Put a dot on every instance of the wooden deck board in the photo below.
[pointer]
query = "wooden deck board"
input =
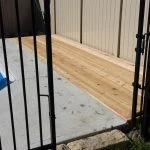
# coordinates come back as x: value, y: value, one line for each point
x: 110, y: 83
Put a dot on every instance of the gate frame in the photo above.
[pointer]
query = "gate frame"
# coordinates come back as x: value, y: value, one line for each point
x: 139, y: 51
x: 146, y: 84
x: 143, y: 47
x: 50, y: 95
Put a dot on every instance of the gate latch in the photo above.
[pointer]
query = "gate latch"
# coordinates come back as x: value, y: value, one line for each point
x: 141, y: 50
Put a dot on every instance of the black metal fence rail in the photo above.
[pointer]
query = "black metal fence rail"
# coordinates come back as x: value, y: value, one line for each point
x: 7, y: 75
x: 146, y: 98
x: 0, y: 144
x: 139, y: 37
x: 143, y: 47
x: 146, y: 51
x: 146, y: 85
x: 37, y: 72
x: 49, y: 72
x: 22, y: 71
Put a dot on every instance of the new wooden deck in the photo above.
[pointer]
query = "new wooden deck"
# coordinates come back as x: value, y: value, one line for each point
x: 106, y: 78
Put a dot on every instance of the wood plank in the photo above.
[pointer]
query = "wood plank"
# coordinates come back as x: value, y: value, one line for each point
x: 109, y: 82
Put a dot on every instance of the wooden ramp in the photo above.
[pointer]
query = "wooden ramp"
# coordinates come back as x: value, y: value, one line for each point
x: 106, y: 78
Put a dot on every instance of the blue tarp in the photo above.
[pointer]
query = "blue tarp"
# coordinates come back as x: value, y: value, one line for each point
x: 3, y: 81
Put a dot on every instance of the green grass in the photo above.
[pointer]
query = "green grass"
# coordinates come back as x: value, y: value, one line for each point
x: 139, y: 145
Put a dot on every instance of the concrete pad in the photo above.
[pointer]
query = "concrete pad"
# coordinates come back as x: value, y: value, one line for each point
x: 77, y: 113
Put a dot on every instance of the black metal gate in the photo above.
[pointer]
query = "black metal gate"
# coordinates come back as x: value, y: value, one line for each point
x: 143, y: 46
x: 49, y: 72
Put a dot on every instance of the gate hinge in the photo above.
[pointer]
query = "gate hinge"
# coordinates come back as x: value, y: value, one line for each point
x: 141, y: 50
x: 142, y: 36
x: 139, y: 85
x: 148, y: 34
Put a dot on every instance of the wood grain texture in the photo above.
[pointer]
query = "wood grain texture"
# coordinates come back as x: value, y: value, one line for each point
x: 109, y: 82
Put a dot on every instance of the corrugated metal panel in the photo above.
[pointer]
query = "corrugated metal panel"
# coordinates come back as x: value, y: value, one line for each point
x: 52, y: 13
x: 129, y: 28
x: 100, y: 24
x: 68, y: 18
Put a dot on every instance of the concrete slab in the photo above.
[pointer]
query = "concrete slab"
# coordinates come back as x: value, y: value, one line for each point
x: 77, y: 113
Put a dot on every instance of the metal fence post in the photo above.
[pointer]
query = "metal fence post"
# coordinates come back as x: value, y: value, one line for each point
x: 0, y: 144
x: 146, y: 85
x: 22, y: 70
x: 146, y: 111
x: 50, y: 71
x: 147, y: 35
x: 139, y: 37
x: 37, y: 71
x: 7, y: 74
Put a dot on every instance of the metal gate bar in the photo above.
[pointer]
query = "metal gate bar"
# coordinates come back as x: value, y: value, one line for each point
x: 143, y: 46
x: 37, y: 72
x: 145, y: 61
x: 7, y: 74
x: 22, y: 72
x: 139, y: 37
x: 0, y: 144
x: 49, y: 72
x: 146, y: 80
